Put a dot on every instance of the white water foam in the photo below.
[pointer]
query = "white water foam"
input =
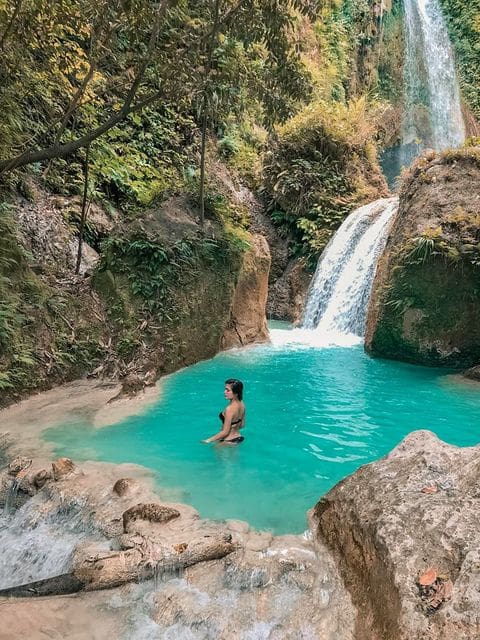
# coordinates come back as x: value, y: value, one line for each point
x: 337, y: 301
x: 433, y: 114
x: 34, y: 547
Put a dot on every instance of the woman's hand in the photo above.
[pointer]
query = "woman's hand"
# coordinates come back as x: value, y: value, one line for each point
x: 207, y: 441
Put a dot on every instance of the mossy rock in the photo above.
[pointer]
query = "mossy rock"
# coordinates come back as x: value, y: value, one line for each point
x: 425, y: 302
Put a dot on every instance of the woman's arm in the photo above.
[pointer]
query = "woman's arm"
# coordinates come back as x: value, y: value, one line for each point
x: 227, y: 425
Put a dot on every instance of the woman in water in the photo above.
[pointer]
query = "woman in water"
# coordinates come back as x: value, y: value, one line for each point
x: 233, y: 417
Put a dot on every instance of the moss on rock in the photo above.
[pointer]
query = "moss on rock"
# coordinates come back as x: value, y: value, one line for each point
x: 425, y: 302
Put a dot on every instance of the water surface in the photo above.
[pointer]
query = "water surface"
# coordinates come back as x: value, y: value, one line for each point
x: 314, y: 415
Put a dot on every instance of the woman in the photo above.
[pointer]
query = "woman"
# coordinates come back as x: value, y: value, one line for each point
x: 233, y: 417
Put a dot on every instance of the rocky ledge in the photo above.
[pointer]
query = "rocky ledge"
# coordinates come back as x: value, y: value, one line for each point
x: 425, y: 301
x: 218, y: 579
x: 404, y: 531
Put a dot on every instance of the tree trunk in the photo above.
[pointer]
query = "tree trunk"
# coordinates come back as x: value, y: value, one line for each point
x: 208, y: 69
x: 84, y: 213
x: 202, y: 167
x: 108, y: 569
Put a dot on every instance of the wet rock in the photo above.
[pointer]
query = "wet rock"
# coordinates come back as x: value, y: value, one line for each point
x: 18, y: 465
x: 123, y: 486
x: 287, y: 295
x: 473, y: 373
x: 41, y: 477
x: 150, y: 511
x: 259, y: 541
x: 406, y: 555
x: 62, y: 467
x: 238, y: 526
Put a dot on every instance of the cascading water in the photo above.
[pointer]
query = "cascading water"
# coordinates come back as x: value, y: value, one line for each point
x: 433, y: 115
x: 338, y: 297
x: 39, y: 546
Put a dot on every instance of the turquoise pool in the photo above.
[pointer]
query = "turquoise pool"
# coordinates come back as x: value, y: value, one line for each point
x: 314, y: 415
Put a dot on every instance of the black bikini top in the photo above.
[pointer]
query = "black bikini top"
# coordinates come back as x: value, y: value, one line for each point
x: 222, y: 418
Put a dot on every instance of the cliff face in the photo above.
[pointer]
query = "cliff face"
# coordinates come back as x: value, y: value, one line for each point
x: 425, y: 304
x: 247, y: 321
x: 154, y: 293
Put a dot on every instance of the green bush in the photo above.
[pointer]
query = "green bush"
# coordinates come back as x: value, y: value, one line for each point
x: 322, y: 165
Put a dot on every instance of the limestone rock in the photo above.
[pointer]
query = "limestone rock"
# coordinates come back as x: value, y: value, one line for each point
x: 150, y: 511
x: 89, y: 258
x: 287, y: 295
x: 18, y: 465
x: 473, y: 373
x: 425, y: 301
x: 41, y: 478
x: 62, y: 467
x: 123, y: 486
x: 390, y: 536
x: 247, y: 322
x: 238, y: 526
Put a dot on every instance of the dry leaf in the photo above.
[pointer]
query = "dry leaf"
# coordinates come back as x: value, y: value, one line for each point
x: 431, y: 489
x: 428, y: 577
x: 180, y: 548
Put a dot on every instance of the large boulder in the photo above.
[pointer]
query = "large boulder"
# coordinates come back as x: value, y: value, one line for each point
x: 405, y: 534
x: 247, y: 322
x: 288, y: 293
x: 425, y: 304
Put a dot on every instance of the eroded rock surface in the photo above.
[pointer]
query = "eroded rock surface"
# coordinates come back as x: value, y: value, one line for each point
x: 247, y: 322
x: 425, y: 304
x: 408, y: 520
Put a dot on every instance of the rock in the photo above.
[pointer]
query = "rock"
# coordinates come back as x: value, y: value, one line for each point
x: 238, y: 526
x: 123, y: 486
x: 132, y: 384
x: 473, y: 373
x: 409, y: 558
x: 150, y: 511
x: 89, y: 259
x: 41, y: 478
x: 287, y: 295
x: 62, y: 467
x: 247, y: 321
x: 18, y: 465
x: 425, y: 305
x: 150, y: 377
x: 258, y: 541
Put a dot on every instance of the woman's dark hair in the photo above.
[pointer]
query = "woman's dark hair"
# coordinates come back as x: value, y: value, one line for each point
x: 236, y: 386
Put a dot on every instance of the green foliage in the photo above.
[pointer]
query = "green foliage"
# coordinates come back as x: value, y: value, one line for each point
x: 319, y: 170
x: 154, y: 270
x: 463, y: 20
x: 71, y: 65
x: 391, y: 55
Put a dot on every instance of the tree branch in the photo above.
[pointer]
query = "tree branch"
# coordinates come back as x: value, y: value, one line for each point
x: 60, y: 151
x: 18, y: 6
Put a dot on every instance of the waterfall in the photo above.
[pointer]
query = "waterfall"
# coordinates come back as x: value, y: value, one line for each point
x: 433, y: 116
x: 338, y: 297
x: 38, y: 545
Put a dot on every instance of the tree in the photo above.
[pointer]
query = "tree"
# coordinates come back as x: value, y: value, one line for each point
x: 82, y: 67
